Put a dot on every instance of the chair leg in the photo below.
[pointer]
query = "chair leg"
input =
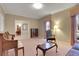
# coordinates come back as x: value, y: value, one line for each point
x: 56, y: 48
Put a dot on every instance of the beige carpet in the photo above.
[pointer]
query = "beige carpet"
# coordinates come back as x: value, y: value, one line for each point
x: 30, y: 48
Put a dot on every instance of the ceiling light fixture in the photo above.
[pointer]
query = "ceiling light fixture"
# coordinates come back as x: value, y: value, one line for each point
x: 37, y: 5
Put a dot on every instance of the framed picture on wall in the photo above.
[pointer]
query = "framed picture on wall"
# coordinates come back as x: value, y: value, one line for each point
x: 25, y: 27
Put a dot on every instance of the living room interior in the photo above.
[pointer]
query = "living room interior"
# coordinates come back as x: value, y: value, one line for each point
x: 24, y: 28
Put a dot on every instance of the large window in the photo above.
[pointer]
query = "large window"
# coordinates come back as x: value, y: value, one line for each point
x: 47, y: 25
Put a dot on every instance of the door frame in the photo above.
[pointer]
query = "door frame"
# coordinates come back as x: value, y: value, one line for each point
x: 73, y: 28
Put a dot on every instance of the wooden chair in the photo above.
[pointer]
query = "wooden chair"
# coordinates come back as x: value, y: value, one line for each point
x: 52, y: 39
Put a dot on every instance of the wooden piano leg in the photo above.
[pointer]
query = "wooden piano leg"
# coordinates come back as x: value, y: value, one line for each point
x: 2, y: 53
x: 23, y: 50
x: 16, y: 52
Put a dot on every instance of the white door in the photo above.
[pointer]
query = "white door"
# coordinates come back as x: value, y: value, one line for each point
x: 24, y: 30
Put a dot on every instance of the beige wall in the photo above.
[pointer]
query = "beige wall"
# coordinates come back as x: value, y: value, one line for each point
x: 1, y: 19
x: 1, y: 26
x: 64, y: 31
x: 64, y: 19
x: 10, y: 23
x: 64, y: 25
x: 42, y: 25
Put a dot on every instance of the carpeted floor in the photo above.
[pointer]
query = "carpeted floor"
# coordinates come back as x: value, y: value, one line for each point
x: 30, y: 48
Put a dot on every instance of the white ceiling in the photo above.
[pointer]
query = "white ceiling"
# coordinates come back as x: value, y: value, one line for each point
x: 26, y: 9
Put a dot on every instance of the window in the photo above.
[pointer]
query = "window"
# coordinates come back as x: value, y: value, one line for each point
x: 47, y: 25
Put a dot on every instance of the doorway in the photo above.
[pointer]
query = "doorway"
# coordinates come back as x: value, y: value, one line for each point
x: 21, y: 28
x: 74, y: 29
